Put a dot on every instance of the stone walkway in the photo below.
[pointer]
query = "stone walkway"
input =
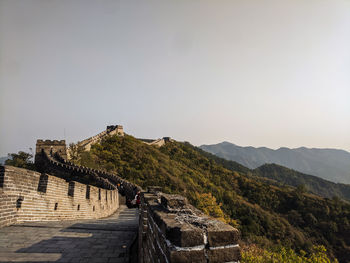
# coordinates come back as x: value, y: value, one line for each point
x: 102, y: 240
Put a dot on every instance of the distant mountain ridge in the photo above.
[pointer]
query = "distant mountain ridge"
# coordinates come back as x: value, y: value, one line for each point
x: 283, y: 176
x: 329, y: 164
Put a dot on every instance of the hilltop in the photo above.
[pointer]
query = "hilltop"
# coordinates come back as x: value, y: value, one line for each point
x: 328, y: 164
x: 266, y: 214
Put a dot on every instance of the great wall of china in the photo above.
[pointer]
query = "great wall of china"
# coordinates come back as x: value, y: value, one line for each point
x: 169, y: 229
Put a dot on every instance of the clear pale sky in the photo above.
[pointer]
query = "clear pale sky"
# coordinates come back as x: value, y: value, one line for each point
x: 260, y: 73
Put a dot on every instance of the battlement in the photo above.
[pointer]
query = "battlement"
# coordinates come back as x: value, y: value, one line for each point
x: 50, y: 147
x: 115, y: 129
x: 27, y: 195
x: 172, y: 230
x: 156, y: 142
x: 51, y: 142
x: 110, y: 130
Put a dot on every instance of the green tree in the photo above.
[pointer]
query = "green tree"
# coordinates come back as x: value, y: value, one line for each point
x: 253, y: 254
x: 75, y: 152
x: 21, y: 159
x: 207, y: 203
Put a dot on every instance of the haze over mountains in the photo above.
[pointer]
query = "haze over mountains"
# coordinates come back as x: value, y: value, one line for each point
x: 329, y: 164
x: 3, y: 159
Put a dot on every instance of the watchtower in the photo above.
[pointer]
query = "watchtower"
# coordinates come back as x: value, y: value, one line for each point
x: 51, y: 147
x: 115, y: 129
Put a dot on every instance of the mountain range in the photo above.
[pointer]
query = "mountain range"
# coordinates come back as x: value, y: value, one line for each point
x: 329, y: 164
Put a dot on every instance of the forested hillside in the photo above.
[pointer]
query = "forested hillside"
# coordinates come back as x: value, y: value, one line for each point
x: 311, y: 183
x: 280, y: 175
x: 271, y: 217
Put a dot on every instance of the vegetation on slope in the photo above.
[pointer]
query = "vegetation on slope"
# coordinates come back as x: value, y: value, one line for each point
x: 21, y: 159
x: 283, y: 176
x: 312, y: 183
x: 254, y: 254
x: 269, y: 216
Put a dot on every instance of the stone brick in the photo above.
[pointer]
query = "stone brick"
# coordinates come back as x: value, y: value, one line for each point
x: 177, y: 229
x: 224, y: 255
x: 38, y: 205
x: 173, y: 201
x: 194, y: 256
x: 183, y: 235
x: 221, y: 234
x: 148, y: 197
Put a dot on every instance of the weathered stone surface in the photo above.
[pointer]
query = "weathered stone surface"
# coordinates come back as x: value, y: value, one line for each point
x: 51, y: 147
x: 173, y: 201
x: 154, y: 189
x: 194, y: 256
x: 185, y: 236
x: 222, y: 234
x: 148, y: 197
x: 178, y: 230
x: 179, y: 234
x: 224, y: 255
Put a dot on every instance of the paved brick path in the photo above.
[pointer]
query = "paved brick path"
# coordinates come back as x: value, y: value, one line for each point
x: 103, y: 240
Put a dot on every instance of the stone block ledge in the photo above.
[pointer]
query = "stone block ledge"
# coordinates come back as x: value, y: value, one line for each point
x: 172, y: 230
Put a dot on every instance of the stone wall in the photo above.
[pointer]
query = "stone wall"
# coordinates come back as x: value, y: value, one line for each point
x: 171, y: 230
x: 156, y: 142
x: 31, y: 196
x: 110, y: 130
x: 57, y: 166
x: 52, y: 147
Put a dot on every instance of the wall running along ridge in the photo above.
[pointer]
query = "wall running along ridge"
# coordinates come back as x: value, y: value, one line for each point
x: 110, y: 130
x: 30, y: 196
x: 57, y: 166
x: 170, y: 229
x: 156, y: 142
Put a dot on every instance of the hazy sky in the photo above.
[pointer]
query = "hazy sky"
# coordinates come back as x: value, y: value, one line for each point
x: 260, y: 73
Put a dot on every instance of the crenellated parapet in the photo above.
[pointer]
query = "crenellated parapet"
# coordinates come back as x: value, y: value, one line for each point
x: 27, y: 195
x: 52, y: 162
x: 156, y: 142
x: 110, y: 130
x: 59, y: 167
x: 172, y: 230
x: 115, y: 129
x: 52, y: 147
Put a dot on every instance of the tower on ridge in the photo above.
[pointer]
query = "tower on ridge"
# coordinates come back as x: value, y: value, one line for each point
x: 115, y: 129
